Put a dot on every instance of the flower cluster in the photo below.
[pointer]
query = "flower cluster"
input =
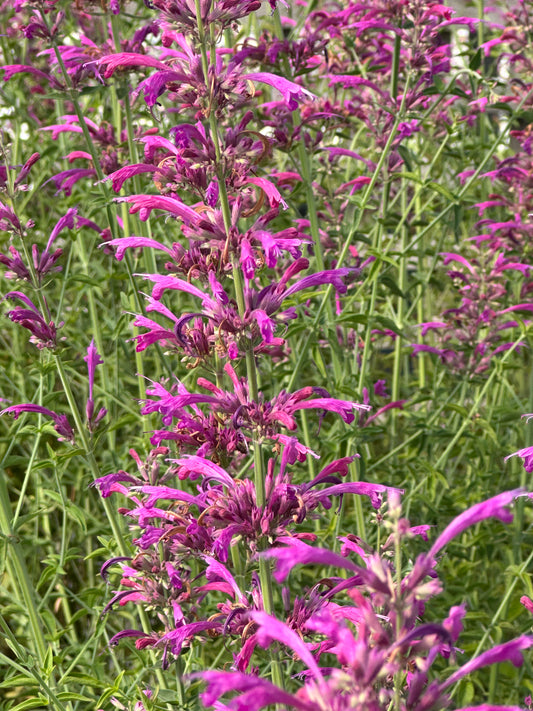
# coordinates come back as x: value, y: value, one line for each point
x: 184, y: 544
x: 473, y: 333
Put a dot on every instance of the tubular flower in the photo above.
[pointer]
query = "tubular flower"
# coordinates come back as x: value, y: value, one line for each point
x: 43, y: 333
x: 61, y: 423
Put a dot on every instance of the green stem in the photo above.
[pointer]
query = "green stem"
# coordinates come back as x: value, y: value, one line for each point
x: 400, y: 315
x: 19, y: 575
x: 109, y: 510
x: 89, y: 455
x: 356, y: 468
x: 38, y: 678
x: 398, y: 677
x: 395, y: 70
x: 31, y: 461
x: 376, y: 247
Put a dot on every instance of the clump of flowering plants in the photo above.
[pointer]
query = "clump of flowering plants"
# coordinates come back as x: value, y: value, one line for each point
x: 382, y: 653
x: 218, y: 254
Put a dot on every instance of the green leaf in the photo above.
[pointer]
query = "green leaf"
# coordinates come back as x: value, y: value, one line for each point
x: 475, y: 62
x: 98, y: 553
x: 354, y: 319
x: 78, y: 515
x: 18, y: 680
x: 72, y: 696
x: 85, y: 679
x: 502, y: 107
x: 407, y: 156
x: 47, y: 574
x: 391, y: 284
x: 48, y: 663
x: 442, y: 190
x: 122, y: 421
x: 68, y: 454
x: 105, y: 697
x: 319, y: 362
x: 463, y: 411
x: 167, y: 695
x: 468, y: 693
x: 111, y: 691
x: 387, y: 323
x: 84, y: 279
x: 36, y: 702
x: 125, y: 300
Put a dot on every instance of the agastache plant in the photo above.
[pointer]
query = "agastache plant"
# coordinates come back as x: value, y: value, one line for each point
x: 236, y: 318
x: 252, y: 172
x: 369, y: 623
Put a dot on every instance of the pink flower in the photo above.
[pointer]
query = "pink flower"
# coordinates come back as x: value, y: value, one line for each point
x: 291, y: 92
x: 144, y: 204
x: 112, y: 62
x: 92, y: 359
x: 526, y: 455
x: 61, y: 423
x: 44, y: 333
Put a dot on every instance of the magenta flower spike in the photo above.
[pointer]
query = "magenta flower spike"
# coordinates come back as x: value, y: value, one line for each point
x: 45, y: 262
x: 260, y: 317
x: 248, y: 415
x: 92, y: 359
